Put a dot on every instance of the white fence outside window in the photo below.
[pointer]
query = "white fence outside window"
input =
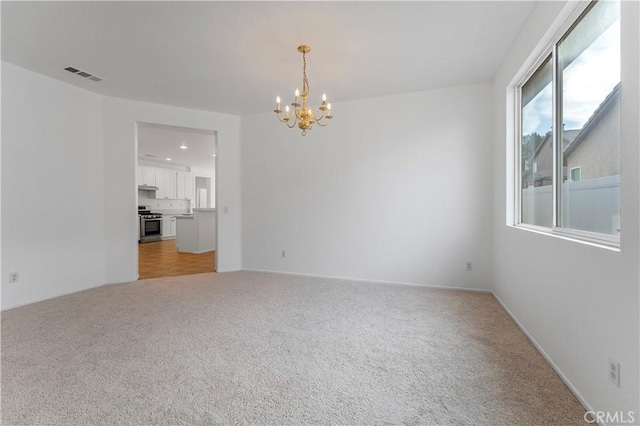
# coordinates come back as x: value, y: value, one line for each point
x: 589, y: 205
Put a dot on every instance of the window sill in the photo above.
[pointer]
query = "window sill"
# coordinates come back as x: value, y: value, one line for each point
x: 581, y: 239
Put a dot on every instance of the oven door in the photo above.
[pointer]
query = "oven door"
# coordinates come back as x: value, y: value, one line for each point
x: 150, y: 229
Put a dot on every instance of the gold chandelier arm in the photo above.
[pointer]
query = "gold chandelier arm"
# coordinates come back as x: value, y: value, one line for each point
x: 322, y: 125
x: 326, y: 118
x: 287, y: 120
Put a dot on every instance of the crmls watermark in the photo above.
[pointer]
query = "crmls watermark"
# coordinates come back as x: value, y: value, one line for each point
x: 608, y: 417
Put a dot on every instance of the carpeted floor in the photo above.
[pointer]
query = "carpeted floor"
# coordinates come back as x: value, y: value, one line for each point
x: 263, y: 348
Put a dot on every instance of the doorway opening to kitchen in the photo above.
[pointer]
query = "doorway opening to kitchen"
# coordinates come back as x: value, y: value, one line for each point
x: 176, y: 198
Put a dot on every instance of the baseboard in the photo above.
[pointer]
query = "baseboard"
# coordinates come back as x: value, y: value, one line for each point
x: 64, y: 293
x: 55, y: 296
x: 398, y: 283
x: 547, y: 358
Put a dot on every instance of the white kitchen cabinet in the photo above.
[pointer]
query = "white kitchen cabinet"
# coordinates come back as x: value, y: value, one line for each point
x: 172, y: 227
x: 170, y: 184
x: 184, y: 186
x: 160, y: 183
x: 166, y: 183
x: 146, y: 176
x: 168, y: 227
x: 188, y: 187
x: 180, y: 185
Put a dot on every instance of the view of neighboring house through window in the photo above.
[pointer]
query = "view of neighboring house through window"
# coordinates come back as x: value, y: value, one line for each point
x: 584, y: 175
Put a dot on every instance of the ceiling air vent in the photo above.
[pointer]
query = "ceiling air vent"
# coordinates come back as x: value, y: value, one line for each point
x: 83, y: 74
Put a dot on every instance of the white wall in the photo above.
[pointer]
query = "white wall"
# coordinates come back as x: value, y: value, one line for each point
x: 578, y: 302
x: 394, y: 189
x: 69, y: 185
x: 52, y: 187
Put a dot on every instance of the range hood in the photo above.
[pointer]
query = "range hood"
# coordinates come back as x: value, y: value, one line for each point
x: 147, y: 188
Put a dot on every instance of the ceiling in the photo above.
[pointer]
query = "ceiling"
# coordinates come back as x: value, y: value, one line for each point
x: 158, y: 143
x: 235, y: 57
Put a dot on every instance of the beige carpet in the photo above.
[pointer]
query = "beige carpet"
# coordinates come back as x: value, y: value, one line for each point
x: 260, y: 348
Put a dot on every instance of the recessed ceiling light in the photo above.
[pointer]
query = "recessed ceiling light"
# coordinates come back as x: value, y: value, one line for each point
x: 168, y: 159
x: 213, y: 155
x: 183, y: 146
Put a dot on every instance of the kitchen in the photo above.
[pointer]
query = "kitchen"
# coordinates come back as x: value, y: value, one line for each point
x: 176, y: 201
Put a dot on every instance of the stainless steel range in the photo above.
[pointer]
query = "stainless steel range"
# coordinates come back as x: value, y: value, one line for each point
x: 150, y: 225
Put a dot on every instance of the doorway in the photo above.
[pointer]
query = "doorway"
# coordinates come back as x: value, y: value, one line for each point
x: 176, y: 181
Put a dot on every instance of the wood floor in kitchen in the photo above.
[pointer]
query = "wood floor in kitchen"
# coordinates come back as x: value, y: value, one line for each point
x: 162, y: 259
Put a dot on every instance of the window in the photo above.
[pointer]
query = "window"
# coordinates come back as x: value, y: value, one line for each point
x: 569, y: 131
x: 576, y: 174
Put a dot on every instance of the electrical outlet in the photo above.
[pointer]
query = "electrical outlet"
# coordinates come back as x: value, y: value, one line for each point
x: 614, y: 371
x: 283, y: 253
x: 14, y: 277
x: 469, y: 266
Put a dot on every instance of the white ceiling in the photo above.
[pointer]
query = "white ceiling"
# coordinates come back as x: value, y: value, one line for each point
x: 157, y: 143
x: 234, y: 57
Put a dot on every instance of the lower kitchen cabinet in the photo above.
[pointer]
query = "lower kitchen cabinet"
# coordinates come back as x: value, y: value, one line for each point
x: 168, y: 227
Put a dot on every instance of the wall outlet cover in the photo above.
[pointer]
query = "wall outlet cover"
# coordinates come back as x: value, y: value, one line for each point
x: 614, y: 371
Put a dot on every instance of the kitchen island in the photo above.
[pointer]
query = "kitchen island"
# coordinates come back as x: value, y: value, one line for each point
x: 196, y: 233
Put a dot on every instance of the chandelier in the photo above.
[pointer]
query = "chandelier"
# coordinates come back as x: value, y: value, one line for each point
x: 305, y: 118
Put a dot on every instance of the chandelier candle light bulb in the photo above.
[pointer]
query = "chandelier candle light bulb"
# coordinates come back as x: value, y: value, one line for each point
x: 303, y: 117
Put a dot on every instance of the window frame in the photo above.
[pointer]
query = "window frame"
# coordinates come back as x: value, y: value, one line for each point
x: 550, y: 50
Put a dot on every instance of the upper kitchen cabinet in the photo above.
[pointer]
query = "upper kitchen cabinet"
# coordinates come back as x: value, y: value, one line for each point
x: 171, y: 184
x: 166, y: 183
x: 188, y: 187
x: 146, y: 176
x: 184, y: 189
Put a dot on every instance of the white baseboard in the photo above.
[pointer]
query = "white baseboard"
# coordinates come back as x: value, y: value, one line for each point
x: 399, y: 283
x: 547, y: 358
x: 56, y: 295
x: 42, y: 299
